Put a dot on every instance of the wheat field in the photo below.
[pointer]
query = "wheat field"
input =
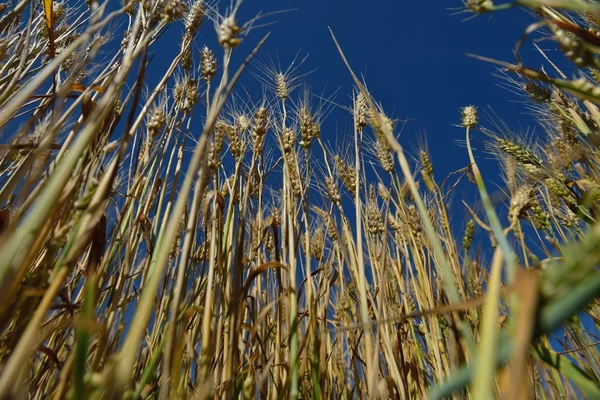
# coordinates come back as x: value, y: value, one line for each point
x: 179, y: 238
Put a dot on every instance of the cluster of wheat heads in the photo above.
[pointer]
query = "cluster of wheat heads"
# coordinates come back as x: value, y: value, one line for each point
x: 261, y: 262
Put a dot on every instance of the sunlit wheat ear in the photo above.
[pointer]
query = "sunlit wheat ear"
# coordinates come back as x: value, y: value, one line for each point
x: 208, y: 64
x: 294, y: 173
x: 186, y: 93
x: 227, y: 29
x: 316, y: 242
x: 360, y: 112
x: 383, y: 192
x: 156, y: 118
x: 346, y: 173
x: 539, y: 217
x: 194, y: 16
x: 260, y: 125
x: 310, y: 116
x: 238, y: 130
x: 229, y: 33
x: 379, y: 121
x: 333, y: 193
x: 478, y: 6
x: 380, y: 145
x: 282, y: 87
x: 384, y: 154
x: 468, y: 235
x: 215, y: 146
x: 310, y: 128
x: 288, y: 137
x: 173, y: 10
x: 282, y: 82
x: 473, y: 8
x: 526, y: 159
x: 236, y: 145
x: 520, y: 202
x: 568, y: 218
x: 422, y: 160
x: 521, y: 147
x: 560, y: 190
x: 328, y: 222
x: 470, y: 117
x: 373, y: 216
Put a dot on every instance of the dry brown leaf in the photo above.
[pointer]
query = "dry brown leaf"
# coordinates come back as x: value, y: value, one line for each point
x: 48, y: 12
x: 527, y: 285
